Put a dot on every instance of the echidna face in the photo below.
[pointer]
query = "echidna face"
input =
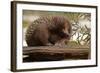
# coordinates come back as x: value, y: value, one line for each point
x: 62, y: 27
x: 67, y: 31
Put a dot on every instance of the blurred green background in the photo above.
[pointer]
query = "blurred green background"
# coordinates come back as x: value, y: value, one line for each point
x: 81, y: 25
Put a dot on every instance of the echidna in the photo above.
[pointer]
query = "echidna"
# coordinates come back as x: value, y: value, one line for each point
x: 48, y: 29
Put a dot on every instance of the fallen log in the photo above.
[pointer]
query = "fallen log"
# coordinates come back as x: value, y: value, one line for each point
x: 54, y: 53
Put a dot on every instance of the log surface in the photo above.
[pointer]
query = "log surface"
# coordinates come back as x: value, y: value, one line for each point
x: 54, y: 53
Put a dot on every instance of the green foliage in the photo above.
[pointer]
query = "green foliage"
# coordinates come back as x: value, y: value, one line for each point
x: 80, y: 30
x: 72, y: 43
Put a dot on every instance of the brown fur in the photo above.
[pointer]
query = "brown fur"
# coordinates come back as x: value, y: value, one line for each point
x: 52, y: 29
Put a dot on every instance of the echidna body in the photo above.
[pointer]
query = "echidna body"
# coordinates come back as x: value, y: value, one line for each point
x: 49, y: 29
